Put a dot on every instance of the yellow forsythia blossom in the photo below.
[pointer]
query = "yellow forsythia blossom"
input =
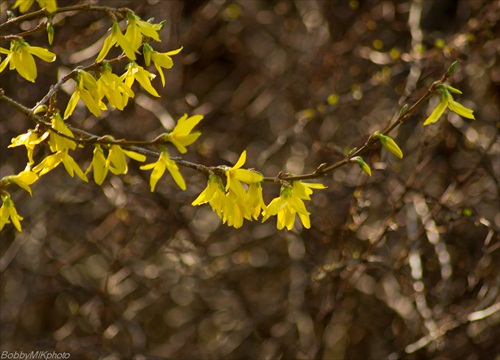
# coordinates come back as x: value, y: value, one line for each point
x: 137, y: 28
x: 58, y: 142
x: 20, y: 58
x: 52, y: 161
x: 24, y: 5
x: 9, y: 213
x: 235, y: 175
x: 233, y: 203
x: 289, y: 203
x: 110, y: 85
x: 99, y: 164
x: 213, y: 194
x: 118, y: 39
x: 181, y: 135
x: 29, y: 139
x: 255, y: 200
x: 24, y: 179
x: 448, y: 102
x: 239, y: 201
x: 144, y: 77
x: 116, y: 161
x: 160, y: 60
x: 87, y: 90
x: 164, y: 163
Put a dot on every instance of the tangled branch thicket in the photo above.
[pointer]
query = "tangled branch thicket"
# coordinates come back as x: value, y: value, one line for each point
x: 402, y: 264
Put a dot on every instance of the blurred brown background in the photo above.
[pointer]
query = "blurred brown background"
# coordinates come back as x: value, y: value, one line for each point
x: 401, y: 265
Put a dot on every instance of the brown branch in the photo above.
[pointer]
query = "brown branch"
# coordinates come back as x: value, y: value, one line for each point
x: 402, y: 118
x: 138, y: 145
x: 111, y: 12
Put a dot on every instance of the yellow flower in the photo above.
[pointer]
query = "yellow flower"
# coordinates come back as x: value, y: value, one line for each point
x: 52, y: 161
x: 117, y: 38
x: 20, y: 57
x: 56, y: 141
x: 448, y: 102
x: 24, y: 5
x: 24, y: 179
x: 160, y: 60
x: 181, y: 135
x: 116, y: 161
x: 235, y: 175
x: 9, y: 213
x: 239, y: 204
x: 49, y: 5
x: 164, y: 162
x: 289, y: 203
x: 110, y: 85
x: 255, y: 200
x: 30, y: 140
x: 213, y: 194
x: 101, y: 167
x: 87, y: 90
x: 236, y: 209
x: 136, y: 28
x: 144, y: 77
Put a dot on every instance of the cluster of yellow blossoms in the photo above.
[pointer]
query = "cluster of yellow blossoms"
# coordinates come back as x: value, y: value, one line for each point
x: 234, y: 193
x: 235, y: 202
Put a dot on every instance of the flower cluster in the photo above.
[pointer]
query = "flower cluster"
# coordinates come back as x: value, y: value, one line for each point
x: 291, y: 202
x: 241, y: 198
x: 233, y: 202
x: 234, y: 193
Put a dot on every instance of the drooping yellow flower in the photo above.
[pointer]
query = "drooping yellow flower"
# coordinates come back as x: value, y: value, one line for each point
x: 87, y: 90
x: 164, y: 163
x: 137, y: 28
x: 236, y: 210
x: 289, y: 203
x: 181, y: 135
x: 24, y: 5
x: 99, y: 164
x: 160, y: 60
x: 213, y: 194
x: 20, y: 58
x: 235, y: 175
x: 118, y: 39
x: 9, y: 213
x: 448, y: 102
x: 117, y: 162
x: 255, y: 200
x: 58, y: 142
x: 29, y: 139
x: 52, y: 161
x: 110, y: 85
x: 144, y: 77
x: 24, y: 179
